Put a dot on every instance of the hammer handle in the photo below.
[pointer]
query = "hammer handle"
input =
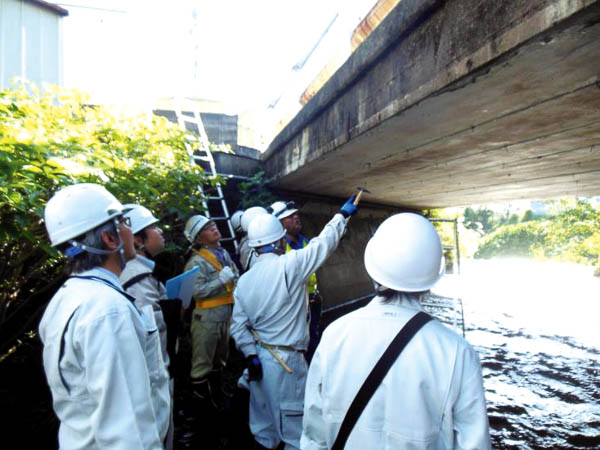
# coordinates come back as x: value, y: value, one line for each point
x: 358, y: 196
x: 271, y: 351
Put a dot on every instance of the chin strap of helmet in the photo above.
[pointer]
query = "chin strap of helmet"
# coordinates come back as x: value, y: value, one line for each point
x: 275, y: 247
x: 77, y: 247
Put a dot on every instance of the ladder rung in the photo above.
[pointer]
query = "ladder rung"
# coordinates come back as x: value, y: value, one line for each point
x: 216, y: 198
x: 227, y: 239
x: 219, y: 218
x: 201, y: 158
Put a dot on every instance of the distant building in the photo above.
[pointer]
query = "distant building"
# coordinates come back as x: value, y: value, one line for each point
x: 30, y: 41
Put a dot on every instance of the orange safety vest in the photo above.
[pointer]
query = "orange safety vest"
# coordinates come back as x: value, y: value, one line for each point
x: 213, y: 302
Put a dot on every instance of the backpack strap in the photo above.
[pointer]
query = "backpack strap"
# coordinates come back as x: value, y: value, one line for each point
x: 376, y: 376
x: 136, y: 279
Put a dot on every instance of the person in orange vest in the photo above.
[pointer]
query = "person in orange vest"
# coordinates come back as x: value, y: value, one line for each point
x: 287, y: 213
x: 213, y: 296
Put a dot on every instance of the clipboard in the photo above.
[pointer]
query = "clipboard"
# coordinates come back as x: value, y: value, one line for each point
x: 182, y: 286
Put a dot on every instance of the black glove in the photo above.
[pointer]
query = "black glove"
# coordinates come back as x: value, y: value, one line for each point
x: 254, y: 368
x: 349, y: 207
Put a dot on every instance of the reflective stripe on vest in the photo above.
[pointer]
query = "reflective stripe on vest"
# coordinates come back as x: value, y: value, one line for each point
x: 311, y: 284
x: 213, y: 302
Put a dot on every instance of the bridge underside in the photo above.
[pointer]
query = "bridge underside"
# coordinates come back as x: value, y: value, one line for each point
x: 456, y: 102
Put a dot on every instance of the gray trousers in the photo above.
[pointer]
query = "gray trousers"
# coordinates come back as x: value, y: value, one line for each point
x: 277, y: 401
x: 210, y: 340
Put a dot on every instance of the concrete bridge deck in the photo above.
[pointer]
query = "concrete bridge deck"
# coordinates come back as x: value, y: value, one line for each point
x: 454, y: 102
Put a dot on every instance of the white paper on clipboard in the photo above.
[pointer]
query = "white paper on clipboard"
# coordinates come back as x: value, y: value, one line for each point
x: 182, y: 286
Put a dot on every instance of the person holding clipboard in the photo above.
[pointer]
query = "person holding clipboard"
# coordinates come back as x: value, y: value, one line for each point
x: 213, y: 300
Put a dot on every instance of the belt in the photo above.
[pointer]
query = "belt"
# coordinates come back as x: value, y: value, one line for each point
x: 285, y: 348
x: 213, y: 302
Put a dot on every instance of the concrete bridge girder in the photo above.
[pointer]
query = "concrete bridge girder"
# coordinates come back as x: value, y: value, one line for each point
x: 456, y: 102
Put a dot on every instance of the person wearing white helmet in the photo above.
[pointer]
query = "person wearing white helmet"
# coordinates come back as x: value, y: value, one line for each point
x: 270, y: 302
x: 236, y: 221
x: 287, y: 213
x: 150, y: 294
x: 432, y: 394
x: 236, y: 224
x: 247, y: 254
x: 213, y: 295
x: 102, y: 357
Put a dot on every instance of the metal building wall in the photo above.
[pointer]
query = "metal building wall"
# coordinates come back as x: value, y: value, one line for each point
x: 30, y: 43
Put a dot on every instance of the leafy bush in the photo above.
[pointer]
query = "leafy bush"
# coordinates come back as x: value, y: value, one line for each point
x: 480, y: 220
x: 255, y: 192
x: 513, y: 240
x: 572, y: 235
x: 53, y: 138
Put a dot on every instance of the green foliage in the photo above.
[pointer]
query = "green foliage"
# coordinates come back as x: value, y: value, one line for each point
x: 513, y: 240
x: 480, y: 220
x: 484, y: 221
x: 446, y: 231
x: 509, y: 219
x: 255, y: 192
x: 54, y: 138
x: 572, y: 235
x: 528, y: 216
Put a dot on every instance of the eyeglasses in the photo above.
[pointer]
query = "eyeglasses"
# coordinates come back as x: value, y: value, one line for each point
x: 124, y: 220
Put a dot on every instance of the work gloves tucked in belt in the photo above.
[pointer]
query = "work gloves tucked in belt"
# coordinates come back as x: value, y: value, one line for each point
x: 254, y: 368
x: 226, y: 275
x: 349, y: 207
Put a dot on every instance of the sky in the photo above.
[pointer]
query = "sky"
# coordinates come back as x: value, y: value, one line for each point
x: 133, y: 51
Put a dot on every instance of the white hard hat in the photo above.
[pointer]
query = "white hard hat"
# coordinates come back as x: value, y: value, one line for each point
x: 250, y: 214
x: 264, y: 229
x: 281, y: 210
x: 236, y: 220
x: 405, y: 254
x: 193, y: 226
x: 79, y: 208
x: 140, y: 216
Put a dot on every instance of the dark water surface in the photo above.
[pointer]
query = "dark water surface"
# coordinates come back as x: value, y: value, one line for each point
x: 535, y: 326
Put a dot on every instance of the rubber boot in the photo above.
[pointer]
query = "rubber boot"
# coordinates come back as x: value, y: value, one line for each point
x: 215, y: 383
x: 201, y: 392
x: 203, y: 432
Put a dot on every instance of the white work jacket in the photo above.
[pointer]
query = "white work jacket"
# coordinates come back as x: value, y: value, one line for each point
x: 248, y: 255
x: 271, y: 297
x: 104, y: 366
x: 432, y: 397
x: 147, y: 292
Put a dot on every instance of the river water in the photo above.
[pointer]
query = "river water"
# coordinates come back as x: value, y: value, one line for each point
x: 535, y: 326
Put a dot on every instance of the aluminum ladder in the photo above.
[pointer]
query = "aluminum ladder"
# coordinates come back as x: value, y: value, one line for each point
x: 203, y: 156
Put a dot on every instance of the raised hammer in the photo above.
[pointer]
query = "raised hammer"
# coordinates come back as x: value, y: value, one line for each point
x: 360, y: 189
